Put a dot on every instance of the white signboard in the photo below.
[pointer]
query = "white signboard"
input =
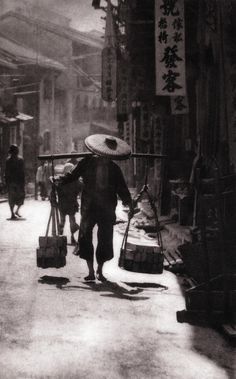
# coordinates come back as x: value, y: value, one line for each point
x: 170, y: 48
x: 179, y: 105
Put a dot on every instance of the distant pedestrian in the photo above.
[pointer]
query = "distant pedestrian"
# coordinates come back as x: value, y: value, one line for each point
x: 15, y: 180
x: 68, y: 203
x: 42, y: 176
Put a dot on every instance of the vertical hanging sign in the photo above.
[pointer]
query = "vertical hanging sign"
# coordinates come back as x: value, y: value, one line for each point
x: 170, y: 48
x: 109, y: 59
x: 123, y: 75
x: 179, y: 105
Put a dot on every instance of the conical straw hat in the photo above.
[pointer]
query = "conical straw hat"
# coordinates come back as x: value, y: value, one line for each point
x: 108, y: 146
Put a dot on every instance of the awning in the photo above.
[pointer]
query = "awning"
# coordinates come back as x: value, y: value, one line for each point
x: 27, y: 55
x: 24, y: 117
x: 5, y: 63
x: 8, y: 120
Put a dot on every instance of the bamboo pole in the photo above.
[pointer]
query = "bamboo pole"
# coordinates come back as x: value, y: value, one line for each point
x: 51, y: 157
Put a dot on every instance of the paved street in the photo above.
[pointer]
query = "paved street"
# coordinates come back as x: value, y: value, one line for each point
x: 54, y: 325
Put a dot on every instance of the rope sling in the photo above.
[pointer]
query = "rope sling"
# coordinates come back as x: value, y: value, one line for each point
x: 52, y: 249
x: 141, y: 257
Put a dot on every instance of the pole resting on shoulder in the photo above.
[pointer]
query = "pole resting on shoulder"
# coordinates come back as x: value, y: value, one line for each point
x: 51, y: 157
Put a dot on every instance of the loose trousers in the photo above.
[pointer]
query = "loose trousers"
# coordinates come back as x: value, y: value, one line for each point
x: 104, y: 250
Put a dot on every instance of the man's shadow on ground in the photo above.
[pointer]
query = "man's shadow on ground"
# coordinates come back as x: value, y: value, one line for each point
x: 120, y: 290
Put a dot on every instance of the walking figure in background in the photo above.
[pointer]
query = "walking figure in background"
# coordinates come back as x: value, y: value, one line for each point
x: 42, y: 176
x: 68, y: 203
x: 103, y: 181
x: 15, y: 180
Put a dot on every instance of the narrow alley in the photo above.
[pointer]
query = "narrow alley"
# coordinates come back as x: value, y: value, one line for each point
x: 55, y: 325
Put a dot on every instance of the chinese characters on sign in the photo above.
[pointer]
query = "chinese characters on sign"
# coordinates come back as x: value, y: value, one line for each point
x: 170, y: 47
x: 109, y: 74
x: 179, y: 105
x: 123, y: 88
x: 109, y: 59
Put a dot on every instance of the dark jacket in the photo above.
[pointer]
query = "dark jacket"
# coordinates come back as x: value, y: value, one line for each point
x: 100, y: 188
x: 14, y: 170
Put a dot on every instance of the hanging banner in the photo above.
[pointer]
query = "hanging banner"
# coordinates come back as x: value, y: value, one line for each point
x: 231, y: 108
x: 109, y: 59
x: 123, y: 103
x: 170, y: 48
x: 157, y: 134
x: 109, y: 74
x: 145, y: 130
x: 179, y: 105
x: 128, y: 135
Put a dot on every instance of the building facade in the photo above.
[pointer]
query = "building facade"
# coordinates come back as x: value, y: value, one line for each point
x: 57, y: 81
x: 176, y: 85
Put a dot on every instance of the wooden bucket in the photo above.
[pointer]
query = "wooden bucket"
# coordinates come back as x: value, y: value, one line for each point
x: 141, y: 256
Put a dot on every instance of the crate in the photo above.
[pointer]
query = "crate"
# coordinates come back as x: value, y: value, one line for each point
x: 52, y: 251
x: 141, y: 258
x: 213, y: 302
x: 217, y: 297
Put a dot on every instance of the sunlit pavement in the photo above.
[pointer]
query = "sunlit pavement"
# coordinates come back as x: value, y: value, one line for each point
x: 54, y: 325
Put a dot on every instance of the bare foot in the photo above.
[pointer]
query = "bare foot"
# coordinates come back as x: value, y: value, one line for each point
x: 76, y: 250
x: 73, y: 241
x: 90, y: 277
x: 100, y: 277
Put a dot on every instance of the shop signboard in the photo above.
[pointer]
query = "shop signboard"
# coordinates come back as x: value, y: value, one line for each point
x: 179, y: 105
x: 231, y: 90
x: 145, y: 130
x: 157, y: 134
x: 123, y: 103
x: 128, y: 134
x: 109, y: 59
x: 170, y: 48
x: 109, y: 68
